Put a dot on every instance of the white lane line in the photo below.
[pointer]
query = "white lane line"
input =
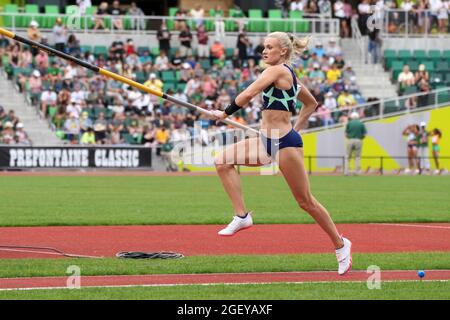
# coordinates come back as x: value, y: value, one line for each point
x: 410, y: 225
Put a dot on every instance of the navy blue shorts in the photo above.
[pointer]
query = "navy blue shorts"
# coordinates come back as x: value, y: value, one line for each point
x: 291, y: 139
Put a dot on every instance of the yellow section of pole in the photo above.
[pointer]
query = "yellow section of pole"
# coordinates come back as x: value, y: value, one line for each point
x: 7, y: 33
x: 130, y: 82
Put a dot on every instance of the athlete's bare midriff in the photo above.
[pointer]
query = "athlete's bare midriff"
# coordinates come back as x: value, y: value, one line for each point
x: 276, y: 123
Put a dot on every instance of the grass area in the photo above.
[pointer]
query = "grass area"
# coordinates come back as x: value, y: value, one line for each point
x: 389, y: 290
x: 33, y: 201
x: 10, y: 268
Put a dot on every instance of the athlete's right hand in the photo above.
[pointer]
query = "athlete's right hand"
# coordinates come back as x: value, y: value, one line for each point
x: 218, y: 115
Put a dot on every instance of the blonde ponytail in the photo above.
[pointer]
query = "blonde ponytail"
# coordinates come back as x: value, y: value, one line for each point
x: 295, y: 45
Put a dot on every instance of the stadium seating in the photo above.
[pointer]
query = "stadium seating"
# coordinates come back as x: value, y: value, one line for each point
x: 49, y: 21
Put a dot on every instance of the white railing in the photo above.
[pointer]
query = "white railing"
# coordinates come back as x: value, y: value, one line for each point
x: 359, y: 40
x: 149, y: 24
x: 414, y: 23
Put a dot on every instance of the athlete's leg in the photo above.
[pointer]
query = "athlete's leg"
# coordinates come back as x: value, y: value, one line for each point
x: 249, y: 152
x: 292, y: 166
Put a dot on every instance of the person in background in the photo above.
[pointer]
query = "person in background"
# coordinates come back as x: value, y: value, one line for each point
x: 136, y: 13
x: 34, y: 34
x: 83, y: 5
x: 99, y: 20
x: 355, y: 132
x: 203, y: 47
x: 422, y: 148
x: 88, y: 137
x: 411, y: 133
x: 115, y: 11
x: 59, y: 35
x: 436, y: 136
x: 163, y: 35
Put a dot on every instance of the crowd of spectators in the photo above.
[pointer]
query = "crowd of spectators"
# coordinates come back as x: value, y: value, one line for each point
x: 88, y: 108
x: 11, y: 129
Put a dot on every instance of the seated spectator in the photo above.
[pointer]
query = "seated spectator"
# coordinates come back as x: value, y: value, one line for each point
x: 319, y: 50
x: 330, y: 101
x: 217, y: 50
x: 198, y: 13
x: 48, y: 102
x: 162, y: 62
x: 34, y: 34
x: 421, y: 74
x: 21, y: 136
x: 72, y: 127
x: 35, y: 84
x: 99, y: 19
x: 154, y: 83
x: 88, y: 137
x: 405, y: 78
x: 100, y: 127
x: 115, y: 127
x: 116, y: 12
x: 317, y: 76
x: 297, y: 5
x: 346, y: 99
x: 83, y: 5
x: 73, y: 46
x: 334, y: 73
x: 180, y: 21
x: 85, y: 122
x: 333, y: 49
x: 137, y: 17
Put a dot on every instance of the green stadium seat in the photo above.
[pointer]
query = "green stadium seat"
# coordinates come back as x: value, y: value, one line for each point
x: 128, y: 138
x: 434, y: 55
x: 9, y: 20
x: 170, y: 86
x: 232, y: 25
x: 410, y: 90
x: 33, y: 11
x: 141, y: 76
x: 229, y: 52
x: 297, y: 26
x: 447, y: 79
x: 389, y: 56
x: 170, y: 22
x: 205, y: 64
x: 101, y: 50
x: 446, y: 55
x: 154, y: 52
x: 172, y: 51
x: 181, y: 86
x: 86, y: 48
x: 443, y: 96
x: 420, y: 55
x: 397, y: 67
x: 442, y: 66
x: 404, y: 55
x: 391, y: 106
x: 140, y: 50
x: 413, y: 65
x: 256, y: 26
x: 168, y: 76
x: 276, y: 21
x: 50, y: 21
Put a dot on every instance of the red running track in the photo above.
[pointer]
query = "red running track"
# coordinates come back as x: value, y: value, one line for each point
x: 193, y: 240
x: 179, y: 279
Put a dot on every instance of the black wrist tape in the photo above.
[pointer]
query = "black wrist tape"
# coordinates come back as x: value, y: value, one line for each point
x: 232, y: 108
